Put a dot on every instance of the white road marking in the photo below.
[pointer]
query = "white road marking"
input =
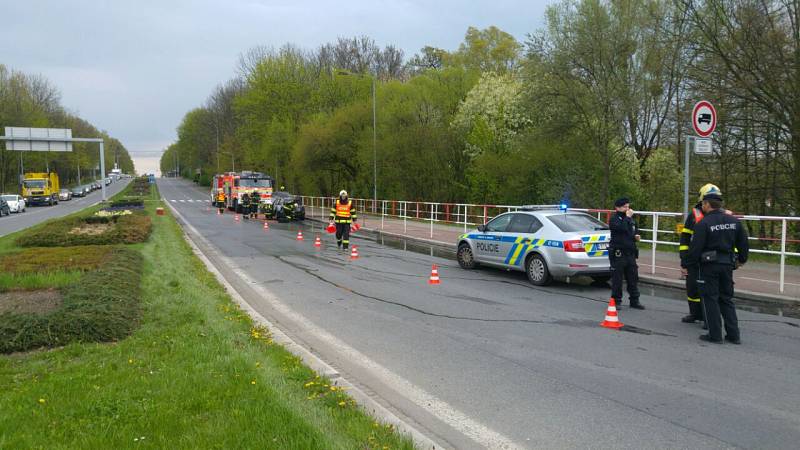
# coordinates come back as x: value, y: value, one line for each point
x: 471, y: 428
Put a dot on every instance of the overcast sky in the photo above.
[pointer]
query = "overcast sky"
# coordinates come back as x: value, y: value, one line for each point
x: 134, y: 68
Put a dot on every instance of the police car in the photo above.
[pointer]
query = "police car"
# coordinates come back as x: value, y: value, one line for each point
x: 545, y: 242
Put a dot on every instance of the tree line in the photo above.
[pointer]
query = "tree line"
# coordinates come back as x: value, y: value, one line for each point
x: 32, y: 101
x: 594, y: 105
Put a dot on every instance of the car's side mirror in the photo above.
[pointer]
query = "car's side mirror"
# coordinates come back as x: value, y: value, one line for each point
x: 482, y: 228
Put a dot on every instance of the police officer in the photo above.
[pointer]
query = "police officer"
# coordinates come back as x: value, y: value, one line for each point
x: 622, y: 253
x: 343, y: 214
x: 691, y: 270
x: 718, y: 246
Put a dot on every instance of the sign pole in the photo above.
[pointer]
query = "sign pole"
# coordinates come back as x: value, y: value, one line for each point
x: 103, y: 170
x: 686, y: 157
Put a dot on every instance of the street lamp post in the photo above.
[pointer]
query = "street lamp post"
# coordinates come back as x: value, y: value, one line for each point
x: 374, y: 140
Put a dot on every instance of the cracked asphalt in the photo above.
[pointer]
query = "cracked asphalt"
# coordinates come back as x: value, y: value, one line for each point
x: 531, y: 364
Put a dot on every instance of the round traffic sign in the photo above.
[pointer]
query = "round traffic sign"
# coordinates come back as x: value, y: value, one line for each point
x: 704, y: 118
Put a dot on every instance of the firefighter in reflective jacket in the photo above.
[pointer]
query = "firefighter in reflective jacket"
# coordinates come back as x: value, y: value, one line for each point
x: 343, y: 214
x: 689, y: 269
x: 719, y: 246
x: 246, y: 205
x: 221, y: 200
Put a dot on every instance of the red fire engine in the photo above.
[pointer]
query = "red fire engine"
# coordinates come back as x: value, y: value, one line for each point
x: 234, y: 185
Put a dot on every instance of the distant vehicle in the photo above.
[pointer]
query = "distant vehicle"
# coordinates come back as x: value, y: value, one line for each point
x: 4, y: 209
x: 704, y: 118
x: 41, y: 188
x: 95, y: 185
x: 65, y: 195
x: 78, y: 191
x: 15, y: 202
x: 544, y: 243
x: 107, y: 181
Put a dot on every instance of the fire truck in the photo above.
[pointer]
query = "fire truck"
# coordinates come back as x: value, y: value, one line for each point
x: 235, y: 184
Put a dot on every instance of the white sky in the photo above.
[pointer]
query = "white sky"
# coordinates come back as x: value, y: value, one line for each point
x: 134, y: 68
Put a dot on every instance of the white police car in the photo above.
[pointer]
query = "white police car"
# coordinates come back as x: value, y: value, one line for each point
x: 544, y: 242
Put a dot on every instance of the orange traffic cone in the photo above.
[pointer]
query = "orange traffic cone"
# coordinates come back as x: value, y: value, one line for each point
x: 300, y: 235
x: 236, y: 218
x: 317, y: 242
x: 266, y: 225
x: 354, y: 253
x: 612, y: 321
x: 434, y: 279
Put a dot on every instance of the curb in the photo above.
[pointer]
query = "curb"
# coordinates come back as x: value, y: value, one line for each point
x: 367, y: 403
x: 750, y: 296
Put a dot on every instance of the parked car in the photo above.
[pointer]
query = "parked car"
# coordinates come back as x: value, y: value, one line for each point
x: 543, y: 242
x: 15, y: 203
x: 64, y: 194
x: 78, y: 191
x: 107, y: 181
x: 4, y: 210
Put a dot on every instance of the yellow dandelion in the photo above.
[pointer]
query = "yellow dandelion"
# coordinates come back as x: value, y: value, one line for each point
x: 253, y: 382
x: 342, y: 403
x: 130, y: 361
x: 42, y: 401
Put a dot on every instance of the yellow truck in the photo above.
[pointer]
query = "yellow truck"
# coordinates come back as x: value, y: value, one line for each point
x: 40, y: 188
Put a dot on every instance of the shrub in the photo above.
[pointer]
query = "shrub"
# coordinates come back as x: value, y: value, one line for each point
x: 103, y: 306
x: 35, y: 260
x: 129, y: 229
x: 127, y: 202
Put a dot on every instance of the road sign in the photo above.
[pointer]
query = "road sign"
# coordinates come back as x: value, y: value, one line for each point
x: 704, y: 118
x: 702, y: 146
x: 24, y: 139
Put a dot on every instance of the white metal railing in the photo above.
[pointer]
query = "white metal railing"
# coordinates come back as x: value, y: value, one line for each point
x: 465, y: 215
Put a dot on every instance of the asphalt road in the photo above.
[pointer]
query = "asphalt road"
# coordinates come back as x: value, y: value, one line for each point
x: 38, y: 214
x: 487, y: 360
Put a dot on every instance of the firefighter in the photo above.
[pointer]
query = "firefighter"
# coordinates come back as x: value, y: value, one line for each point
x: 622, y: 253
x: 343, y: 214
x: 718, y: 246
x: 221, y: 200
x: 691, y: 271
x: 255, y: 199
x: 288, y: 209
x: 246, y: 205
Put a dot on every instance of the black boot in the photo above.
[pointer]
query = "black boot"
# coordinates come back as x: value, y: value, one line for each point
x: 689, y: 319
x: 707, y: 338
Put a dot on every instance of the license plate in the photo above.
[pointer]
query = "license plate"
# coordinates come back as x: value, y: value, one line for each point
x: 601, y: 246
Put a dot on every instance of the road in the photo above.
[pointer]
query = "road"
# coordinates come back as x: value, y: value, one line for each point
x: 486, y: 360
x: 38, y: 214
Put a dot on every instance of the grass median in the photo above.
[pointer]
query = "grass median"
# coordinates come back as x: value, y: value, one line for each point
x: 196, y: 374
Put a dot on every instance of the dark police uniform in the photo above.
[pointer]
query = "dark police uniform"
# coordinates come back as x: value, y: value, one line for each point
x: 713, y: 247
x: 622, y: 253
x: 692, y: 268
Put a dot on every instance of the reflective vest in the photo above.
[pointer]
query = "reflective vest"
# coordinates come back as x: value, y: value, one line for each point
x: 343, y: 212
x: 220, y: 197
x: 698, y: 215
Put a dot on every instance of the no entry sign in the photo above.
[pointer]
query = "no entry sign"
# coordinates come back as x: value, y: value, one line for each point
x: 704, y: 118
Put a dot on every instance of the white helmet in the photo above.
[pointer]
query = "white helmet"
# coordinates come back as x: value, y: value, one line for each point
x: 342, y: 193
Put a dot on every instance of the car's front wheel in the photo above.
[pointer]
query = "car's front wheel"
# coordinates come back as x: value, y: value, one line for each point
x: 465, y: 257
x: 537, y: 270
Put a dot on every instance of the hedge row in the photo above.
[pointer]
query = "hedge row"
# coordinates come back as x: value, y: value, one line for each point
x: 38, y: 260
x: 102, y: 307
x: 129, y: 229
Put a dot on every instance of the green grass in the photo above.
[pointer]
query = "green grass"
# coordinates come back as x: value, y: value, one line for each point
x: 38, y: 280
x: 196, y: 374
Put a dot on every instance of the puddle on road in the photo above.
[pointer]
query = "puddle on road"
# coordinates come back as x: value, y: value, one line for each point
x: 585, y: 284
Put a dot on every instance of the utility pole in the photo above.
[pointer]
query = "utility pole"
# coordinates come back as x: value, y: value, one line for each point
x: 374, y: 149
